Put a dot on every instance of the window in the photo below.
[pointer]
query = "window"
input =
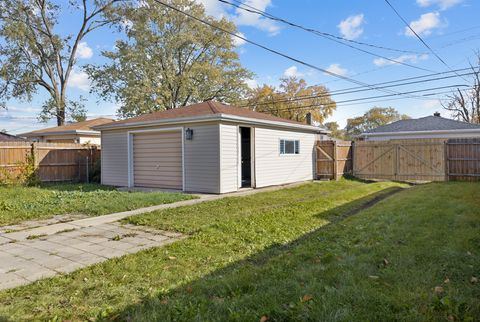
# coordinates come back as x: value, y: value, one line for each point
x: 289, y: 146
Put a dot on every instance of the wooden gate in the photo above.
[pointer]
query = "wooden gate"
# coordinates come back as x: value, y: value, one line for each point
x: 402, y: 160
x: 334, y: 159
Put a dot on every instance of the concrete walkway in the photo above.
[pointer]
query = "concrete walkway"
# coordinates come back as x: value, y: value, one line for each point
x: 31, y: 254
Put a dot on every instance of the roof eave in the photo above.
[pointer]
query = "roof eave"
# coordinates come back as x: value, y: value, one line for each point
x: 70, y: 132
x: 212, y: 117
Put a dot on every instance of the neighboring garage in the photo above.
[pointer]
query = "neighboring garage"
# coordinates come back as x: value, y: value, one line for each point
x: 207, y: 147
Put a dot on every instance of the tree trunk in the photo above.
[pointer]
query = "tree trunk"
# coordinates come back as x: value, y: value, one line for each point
x: 60, y: 112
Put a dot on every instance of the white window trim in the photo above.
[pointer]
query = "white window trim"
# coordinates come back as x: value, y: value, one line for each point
x: 289, y: 154
x: 131, y: 179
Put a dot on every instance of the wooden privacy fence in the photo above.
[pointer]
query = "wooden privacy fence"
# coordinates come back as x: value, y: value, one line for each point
x: 418, y: 159
x: 463, y: 159
x: 53, y: 162
x: 334, y: 159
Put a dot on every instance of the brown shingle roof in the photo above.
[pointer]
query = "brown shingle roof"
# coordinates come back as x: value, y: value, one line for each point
x: 203, y: 109
x: 77, y: 126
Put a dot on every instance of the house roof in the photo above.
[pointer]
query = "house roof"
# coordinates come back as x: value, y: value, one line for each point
x: 200, y: 110
x: 428, y: 123
x: 5, y: 137
x: 71, y: 128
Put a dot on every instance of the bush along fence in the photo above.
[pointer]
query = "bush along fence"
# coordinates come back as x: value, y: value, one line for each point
x: 30, y: 163
x: 401, y: 160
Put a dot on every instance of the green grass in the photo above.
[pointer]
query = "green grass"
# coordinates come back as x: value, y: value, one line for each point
x: 26, y: 203
x: 293, y: 254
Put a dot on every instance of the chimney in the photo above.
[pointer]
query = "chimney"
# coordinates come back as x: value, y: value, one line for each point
x: 436, y: 114
x: 308, y: 118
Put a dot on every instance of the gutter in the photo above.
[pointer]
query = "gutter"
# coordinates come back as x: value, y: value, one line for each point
x: 74, y: 132
x: 419, y: 132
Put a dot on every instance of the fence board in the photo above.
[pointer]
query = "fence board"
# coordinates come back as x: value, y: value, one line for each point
x: 54, y: 162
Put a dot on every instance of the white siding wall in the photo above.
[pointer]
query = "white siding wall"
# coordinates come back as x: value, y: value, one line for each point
x: 114, y: 158
x: 202, y: 159
x: 387, y: 137
x: 271, y: 168
x: 89, y: 140
x: 229, y: 158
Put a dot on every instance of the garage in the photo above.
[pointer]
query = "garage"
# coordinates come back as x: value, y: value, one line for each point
x: 157, y: 159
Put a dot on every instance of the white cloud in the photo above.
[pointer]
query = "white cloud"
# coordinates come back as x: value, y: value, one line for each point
x: 213, y: 8
x: 400, y: 59
x: 351, y: 28
x: 237, y: 42
x: 337, y: 69
x: 245, y: 18
x: 79, y: 79
x: 292, y: 72
x: 83, y: 51
x: 442, y: 4
x: 425, y: 24
x: 251, y: 83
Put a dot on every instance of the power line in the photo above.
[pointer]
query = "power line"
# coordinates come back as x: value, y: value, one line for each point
x: 325, y: 35
x: 276, y: 52
x: 347, y: 91
x: 373, y: 97
x: 418, y: 36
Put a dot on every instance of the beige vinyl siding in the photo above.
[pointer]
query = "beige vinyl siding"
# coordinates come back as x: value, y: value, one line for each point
x: 157, y: 159
x: 202, y: 159
x: 271, y: 168
x: 228, y: 158
x: 114, y: 158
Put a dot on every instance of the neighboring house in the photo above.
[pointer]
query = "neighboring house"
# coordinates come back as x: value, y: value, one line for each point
x: 207, y: 147
x: 5, y: 137
x: 430, y: 127
x: 78, y: 132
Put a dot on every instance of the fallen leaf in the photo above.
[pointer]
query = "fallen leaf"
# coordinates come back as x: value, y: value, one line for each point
x: 264, y: 318
x: 373, y: 277
x: 438, y: 289
x: 469, y: 253
x: 451, y: 318
x: 189, y: 289
x: 307, y: 297
x: 172, y: 257
x: 164, y: 301
x: 474, y: 280
x: 447, y: 280
x: 385, y: 262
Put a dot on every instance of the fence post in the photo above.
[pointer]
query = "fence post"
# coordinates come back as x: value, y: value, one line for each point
x: 447, y: 162
x: 335, y: 158
x: 33, y: 152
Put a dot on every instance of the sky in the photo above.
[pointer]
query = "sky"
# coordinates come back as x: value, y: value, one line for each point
x: 449, y: 27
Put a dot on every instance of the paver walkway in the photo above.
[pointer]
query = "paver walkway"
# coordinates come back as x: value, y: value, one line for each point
x: 32, y: 253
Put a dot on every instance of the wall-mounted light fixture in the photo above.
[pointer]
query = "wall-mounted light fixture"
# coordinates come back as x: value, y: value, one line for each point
x: 189, y: 134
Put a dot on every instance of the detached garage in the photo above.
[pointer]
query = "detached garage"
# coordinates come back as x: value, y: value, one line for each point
x: 208, y: 147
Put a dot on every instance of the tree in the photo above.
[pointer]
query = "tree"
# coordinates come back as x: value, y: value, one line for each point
x: 335, y: 131
x: 465, y: 104
x: 293, y: 100
x: 373, y: 118
x: 169, y: 60
x: 34, y: 54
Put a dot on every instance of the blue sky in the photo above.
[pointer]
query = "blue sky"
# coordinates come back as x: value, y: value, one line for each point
x: 450, y: 27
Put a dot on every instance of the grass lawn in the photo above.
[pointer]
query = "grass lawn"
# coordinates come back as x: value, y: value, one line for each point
x: 25, y: 203
x: 293, y: 254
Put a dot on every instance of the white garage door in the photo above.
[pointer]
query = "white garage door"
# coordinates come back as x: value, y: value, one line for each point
x: 157, y: 159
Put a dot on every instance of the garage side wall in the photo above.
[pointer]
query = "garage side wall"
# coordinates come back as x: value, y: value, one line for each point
x: 202, y: 159
x: 271, y: 168
x: 114, y: 158
x: 229, y: 157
